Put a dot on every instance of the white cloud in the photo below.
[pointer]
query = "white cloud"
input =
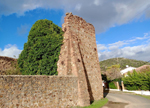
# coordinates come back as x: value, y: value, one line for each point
x: 101, y: 13
x: 120, y: 44
x: 140, y: 52
x: 146, y: 36
x: 120, y: 49
x: 78, y: 7
x: 98, y: 2
x: 116, y: 45
x: 10, y: 51
x: 110, y: 13
x: 101, y: 47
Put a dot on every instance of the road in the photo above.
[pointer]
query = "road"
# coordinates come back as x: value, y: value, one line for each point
x: 126, y: 100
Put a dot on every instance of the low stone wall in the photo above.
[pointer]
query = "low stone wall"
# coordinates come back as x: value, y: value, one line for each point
x: 36, y: 91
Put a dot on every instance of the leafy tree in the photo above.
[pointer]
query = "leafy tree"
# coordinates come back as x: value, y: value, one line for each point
x: 113, y: 72
x: 41, y: 52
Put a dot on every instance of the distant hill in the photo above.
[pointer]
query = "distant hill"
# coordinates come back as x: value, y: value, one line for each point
x: 122, y: 61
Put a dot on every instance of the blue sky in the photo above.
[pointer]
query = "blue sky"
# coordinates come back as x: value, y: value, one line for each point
x: 122, y: 26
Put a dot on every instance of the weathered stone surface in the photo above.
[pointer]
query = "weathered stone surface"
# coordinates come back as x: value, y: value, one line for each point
x: 79, y: 57
x: 38, y: 91
x: 79, y: 80
x: 6, y: 64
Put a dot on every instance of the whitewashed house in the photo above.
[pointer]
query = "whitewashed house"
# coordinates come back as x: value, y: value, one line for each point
x: 126, y: 70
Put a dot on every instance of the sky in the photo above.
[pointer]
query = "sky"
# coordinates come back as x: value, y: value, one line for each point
x: 122, y: 27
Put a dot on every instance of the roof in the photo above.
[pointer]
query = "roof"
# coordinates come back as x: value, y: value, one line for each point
x: 127, y: 69
x: 141, y: 68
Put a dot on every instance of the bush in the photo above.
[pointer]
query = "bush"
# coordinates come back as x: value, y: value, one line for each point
x: 41, y: 52
x: 132, y: 87
x: 112, y: 85
x: 137, y: 81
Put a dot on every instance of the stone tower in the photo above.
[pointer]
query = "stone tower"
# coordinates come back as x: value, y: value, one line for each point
x: 79, y: 57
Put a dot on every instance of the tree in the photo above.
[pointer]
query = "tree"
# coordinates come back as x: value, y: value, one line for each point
x: 41, y: 52
x: 113, y: 72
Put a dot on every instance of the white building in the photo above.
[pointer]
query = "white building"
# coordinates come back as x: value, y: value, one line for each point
x: 127, y: 69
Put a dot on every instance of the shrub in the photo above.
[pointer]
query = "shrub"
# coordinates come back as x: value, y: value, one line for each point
x: 112, y: 85
x: 137, y: 81
x: 41, y: 52
x: 132, y: 87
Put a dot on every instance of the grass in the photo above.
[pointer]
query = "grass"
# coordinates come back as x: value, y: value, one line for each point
x: 96, y: 104
x: 145, y: 96
x: 148, y: 97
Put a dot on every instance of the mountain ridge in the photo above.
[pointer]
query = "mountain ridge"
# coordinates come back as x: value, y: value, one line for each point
x: 122, y: 61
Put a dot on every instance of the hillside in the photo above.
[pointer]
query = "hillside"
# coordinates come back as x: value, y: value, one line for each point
x: 122, y: 61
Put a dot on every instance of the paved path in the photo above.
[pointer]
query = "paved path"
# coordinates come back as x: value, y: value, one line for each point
x: 124, y: 100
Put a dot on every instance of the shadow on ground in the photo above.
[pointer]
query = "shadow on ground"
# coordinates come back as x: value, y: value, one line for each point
x: 105, y: 92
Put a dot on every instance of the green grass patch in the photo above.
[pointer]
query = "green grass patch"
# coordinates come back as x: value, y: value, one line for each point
x: 148, y: 97
x: 96, y: 104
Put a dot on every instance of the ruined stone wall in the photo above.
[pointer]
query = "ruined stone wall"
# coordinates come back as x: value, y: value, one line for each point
x: 79, y: 77
x: 79, y: 57
x: 6, y: 64
x: 26, y: 91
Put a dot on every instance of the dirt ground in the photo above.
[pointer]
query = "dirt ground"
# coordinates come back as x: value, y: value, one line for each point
x: 111, y: 104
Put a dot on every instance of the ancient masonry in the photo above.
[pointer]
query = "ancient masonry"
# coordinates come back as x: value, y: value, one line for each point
x: 38, y: 91
x: 79, y: 77
x: 6, y: 64
x: 79, y: 57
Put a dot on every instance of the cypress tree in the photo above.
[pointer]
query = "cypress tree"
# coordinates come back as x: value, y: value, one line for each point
x: 41, y: 52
